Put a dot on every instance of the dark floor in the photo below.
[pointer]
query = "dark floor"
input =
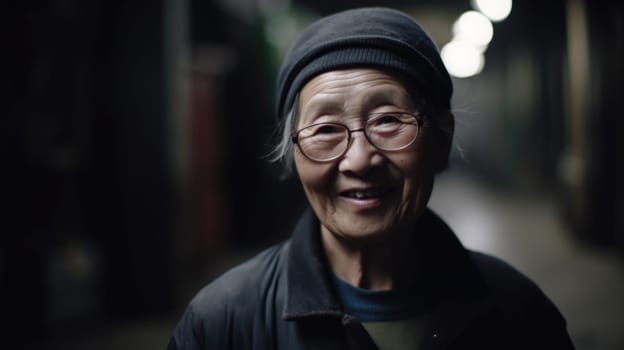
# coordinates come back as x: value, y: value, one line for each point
x: 525, y: 229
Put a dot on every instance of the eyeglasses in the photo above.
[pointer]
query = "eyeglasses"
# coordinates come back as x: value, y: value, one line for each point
x: 324, y: 142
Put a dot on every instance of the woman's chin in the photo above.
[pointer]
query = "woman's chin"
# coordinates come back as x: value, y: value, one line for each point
x: 362, y: 229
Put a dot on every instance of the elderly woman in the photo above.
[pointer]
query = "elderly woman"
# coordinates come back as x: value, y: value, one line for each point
x: 364, y: 99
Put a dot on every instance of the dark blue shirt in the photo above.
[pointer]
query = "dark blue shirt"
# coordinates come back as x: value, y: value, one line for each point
x: 378, y: 306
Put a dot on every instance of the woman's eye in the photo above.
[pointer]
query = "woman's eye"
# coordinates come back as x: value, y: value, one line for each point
x: 327, y: 129
x: 387, y: 119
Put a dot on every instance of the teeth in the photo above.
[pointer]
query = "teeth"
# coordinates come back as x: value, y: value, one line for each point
x: 367, y: 193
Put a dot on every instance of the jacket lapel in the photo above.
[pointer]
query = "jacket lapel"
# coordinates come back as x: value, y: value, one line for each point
x: 455, y: 286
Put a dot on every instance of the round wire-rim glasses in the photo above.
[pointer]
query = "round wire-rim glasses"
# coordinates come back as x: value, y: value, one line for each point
x: 390, y: 131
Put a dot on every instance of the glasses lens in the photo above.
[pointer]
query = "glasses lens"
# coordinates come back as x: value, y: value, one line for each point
x: 323, y: 141
x: 392, y: 131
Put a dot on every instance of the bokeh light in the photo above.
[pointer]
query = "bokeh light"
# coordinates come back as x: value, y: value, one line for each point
x: 474, y: 28
x: 461, y: 59
x: 495, y: 10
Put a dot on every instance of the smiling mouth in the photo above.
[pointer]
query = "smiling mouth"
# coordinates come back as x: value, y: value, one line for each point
x: 366, y: 194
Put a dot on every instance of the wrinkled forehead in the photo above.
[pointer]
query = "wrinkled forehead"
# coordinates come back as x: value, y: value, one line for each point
x: 366, y: 86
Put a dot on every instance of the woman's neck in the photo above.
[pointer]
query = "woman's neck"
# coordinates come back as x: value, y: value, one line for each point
x: 374, y: 264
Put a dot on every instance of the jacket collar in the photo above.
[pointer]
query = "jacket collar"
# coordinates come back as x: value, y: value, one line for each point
x: 309, y: 290
x: 450, y: 272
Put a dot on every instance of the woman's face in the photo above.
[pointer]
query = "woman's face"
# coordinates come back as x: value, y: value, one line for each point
x: 367, y: 193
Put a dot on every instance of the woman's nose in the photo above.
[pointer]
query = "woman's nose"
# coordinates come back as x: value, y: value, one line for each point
x: 361, y: 156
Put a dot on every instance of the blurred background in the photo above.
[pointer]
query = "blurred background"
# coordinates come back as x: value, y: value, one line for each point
x: 136, y: 135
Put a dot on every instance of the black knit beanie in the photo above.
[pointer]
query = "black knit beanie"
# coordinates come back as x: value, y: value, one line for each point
x: 367, y: 37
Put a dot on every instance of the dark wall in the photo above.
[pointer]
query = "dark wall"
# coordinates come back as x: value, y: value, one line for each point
x: 89, y: 234
x: 605, y: 128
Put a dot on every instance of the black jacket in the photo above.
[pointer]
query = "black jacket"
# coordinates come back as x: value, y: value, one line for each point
x: 284, y: 299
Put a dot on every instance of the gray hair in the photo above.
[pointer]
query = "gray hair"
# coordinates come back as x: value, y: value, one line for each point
x: 283, y: 150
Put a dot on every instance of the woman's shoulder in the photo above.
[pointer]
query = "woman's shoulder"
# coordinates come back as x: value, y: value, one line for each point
x: 513, y: 291
x: 221, y: 313
x: 244, y: 282
x: 502, y: 277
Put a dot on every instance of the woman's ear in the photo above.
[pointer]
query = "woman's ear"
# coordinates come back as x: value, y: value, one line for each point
x: 445, y: 127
